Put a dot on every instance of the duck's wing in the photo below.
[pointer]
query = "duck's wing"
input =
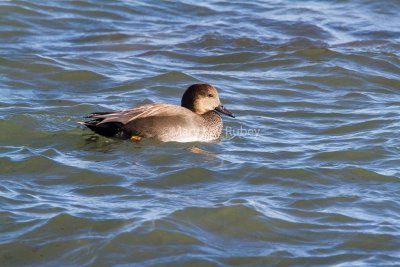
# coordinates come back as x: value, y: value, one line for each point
x: 127, y: 115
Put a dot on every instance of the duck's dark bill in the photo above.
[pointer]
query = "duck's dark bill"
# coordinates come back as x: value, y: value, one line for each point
x: 223, y: 110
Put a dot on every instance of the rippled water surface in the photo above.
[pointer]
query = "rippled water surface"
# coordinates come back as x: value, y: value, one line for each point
x: 307, y: 174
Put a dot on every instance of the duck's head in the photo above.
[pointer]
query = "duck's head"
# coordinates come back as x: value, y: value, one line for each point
x: 202, y: 98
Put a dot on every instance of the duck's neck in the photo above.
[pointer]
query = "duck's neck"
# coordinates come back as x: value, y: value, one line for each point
x: 213, y: 123
x: 212, y: 118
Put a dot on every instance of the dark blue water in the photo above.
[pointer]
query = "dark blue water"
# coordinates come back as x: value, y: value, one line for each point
x: 306, y: 175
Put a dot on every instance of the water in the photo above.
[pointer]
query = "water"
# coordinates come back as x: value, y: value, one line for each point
x: 307, y: 174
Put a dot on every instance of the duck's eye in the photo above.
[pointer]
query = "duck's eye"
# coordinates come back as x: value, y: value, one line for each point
x: 210, y: 95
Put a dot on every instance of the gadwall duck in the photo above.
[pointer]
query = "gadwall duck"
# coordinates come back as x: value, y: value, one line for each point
x: 197, y: 119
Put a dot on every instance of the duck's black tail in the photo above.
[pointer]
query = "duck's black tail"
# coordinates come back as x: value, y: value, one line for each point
x: 108, y: 129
